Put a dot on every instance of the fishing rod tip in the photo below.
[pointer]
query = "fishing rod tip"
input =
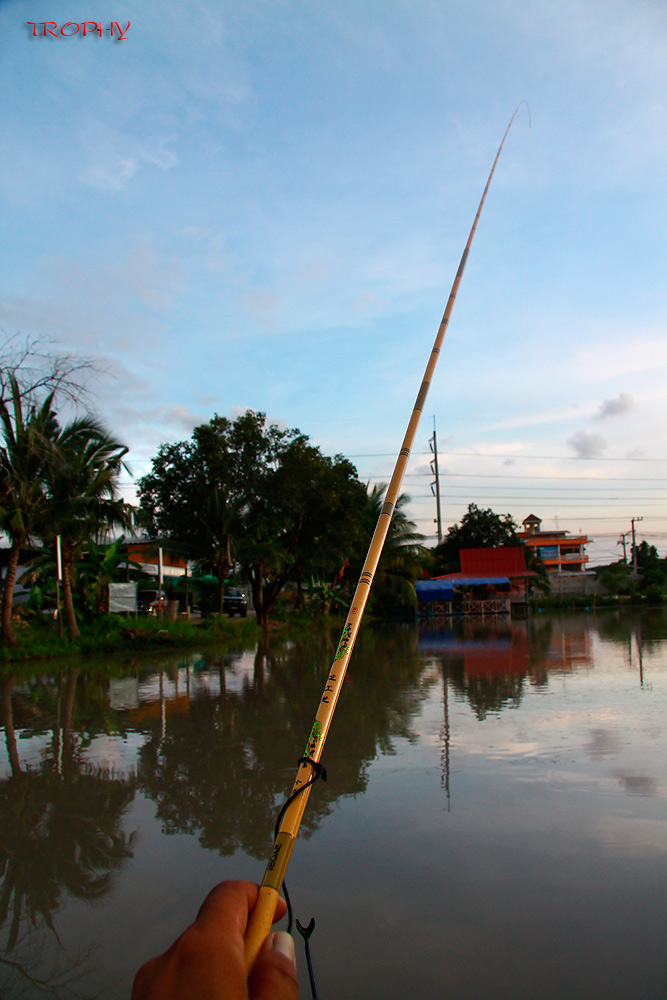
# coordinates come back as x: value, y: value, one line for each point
x: 520, y: 104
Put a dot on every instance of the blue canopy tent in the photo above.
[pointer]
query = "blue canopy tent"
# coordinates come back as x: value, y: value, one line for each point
x: 475, y: 595
x: 434, y: 591
x: 440, y: 591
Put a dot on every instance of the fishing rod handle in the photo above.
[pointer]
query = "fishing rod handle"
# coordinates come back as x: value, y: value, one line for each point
x: 259, y: 923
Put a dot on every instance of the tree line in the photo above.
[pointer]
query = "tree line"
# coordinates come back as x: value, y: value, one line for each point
x: 249, y: 497
x: 241, y: 498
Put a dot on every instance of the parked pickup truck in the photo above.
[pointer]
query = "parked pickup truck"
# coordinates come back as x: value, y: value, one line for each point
x: 148, y: 602
x: 234, y: 603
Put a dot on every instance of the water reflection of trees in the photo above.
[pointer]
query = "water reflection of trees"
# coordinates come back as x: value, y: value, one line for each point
x: 620, y: 625
x: 222, y: 770
x: 60, y: 833
x: 490, y: 663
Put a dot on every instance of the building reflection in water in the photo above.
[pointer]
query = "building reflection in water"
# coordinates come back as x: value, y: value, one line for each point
x: 488, y: 663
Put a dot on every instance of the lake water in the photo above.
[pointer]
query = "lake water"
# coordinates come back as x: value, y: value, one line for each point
x: 494, y: 824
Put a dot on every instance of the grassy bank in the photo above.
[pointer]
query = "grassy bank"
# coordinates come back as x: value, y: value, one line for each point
x: 38, y: 639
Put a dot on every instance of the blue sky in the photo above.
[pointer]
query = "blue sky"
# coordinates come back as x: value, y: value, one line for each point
x: 264, y: 205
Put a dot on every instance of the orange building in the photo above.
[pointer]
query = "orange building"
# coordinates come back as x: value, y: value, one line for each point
x: 560, y: 551
x: 147, y: 555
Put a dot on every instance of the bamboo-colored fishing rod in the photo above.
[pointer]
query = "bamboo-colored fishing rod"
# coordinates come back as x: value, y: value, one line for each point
x: 261, y: 917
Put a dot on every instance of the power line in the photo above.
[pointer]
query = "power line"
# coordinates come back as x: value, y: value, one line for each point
x: 497, y: 490
x: 584, y: 519
x: 512, y: 455
x: 616, y: 502
x: 558, y: 479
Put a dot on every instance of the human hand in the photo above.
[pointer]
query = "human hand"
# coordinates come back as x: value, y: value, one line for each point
x: 207, y: 962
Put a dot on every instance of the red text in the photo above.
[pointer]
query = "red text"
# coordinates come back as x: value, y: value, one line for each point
x: 71, y: 28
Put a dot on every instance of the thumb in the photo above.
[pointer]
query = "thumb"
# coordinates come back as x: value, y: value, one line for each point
x: 273, y: 975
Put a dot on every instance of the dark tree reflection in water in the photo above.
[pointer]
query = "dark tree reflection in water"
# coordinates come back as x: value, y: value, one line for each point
x: 222, y: 769
x: 60, y: 836
x: 494, y: 823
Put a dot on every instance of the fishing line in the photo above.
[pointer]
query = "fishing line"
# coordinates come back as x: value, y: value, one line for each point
x: 319, y: 771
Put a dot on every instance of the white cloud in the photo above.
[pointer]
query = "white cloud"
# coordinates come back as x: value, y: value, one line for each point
x: 623, y: 403
x: 112, y: 170
x: 587, y: 445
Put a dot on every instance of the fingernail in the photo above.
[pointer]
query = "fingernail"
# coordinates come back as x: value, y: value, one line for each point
x: 283, y: 943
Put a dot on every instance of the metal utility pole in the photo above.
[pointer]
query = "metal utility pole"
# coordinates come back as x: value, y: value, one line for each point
x: 59, y: 576
x: 159, y: 582
x: 433, y: 443
x: 634, y: 545
x: 624, y: 535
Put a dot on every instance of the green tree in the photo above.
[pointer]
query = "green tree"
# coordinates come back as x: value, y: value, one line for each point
x: 218, y: 523
x: 647, y: 555
x: 248, y: 493
x: 652, y: 578
x: 615, y: 578
x: 618, y: 578
x: 479, y: 529
x: 200, y: 492
x: 402, y: 554
x: 654, y: 582
x: 31, y: 376
x: 541, y: 582
x: 307, y: 523
x: 81, y: 478
x: 99, y: 566
x: 27, y: 447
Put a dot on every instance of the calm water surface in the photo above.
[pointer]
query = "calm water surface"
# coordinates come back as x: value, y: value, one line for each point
x: 494, y: 824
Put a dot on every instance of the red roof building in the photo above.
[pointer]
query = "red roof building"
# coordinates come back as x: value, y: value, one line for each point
x: 506, y: 560
x: 491, y: 580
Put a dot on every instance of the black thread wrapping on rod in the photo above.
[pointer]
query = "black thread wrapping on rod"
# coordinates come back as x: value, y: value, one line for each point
x: 319, y: 771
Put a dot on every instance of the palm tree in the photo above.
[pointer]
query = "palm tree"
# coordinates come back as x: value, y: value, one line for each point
x: 27, y: 446
x: 402, y: 553
x: 82, y: 490
x: 541, y: 582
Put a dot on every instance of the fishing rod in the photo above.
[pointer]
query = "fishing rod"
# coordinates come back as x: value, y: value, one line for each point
x: 310, y: 768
